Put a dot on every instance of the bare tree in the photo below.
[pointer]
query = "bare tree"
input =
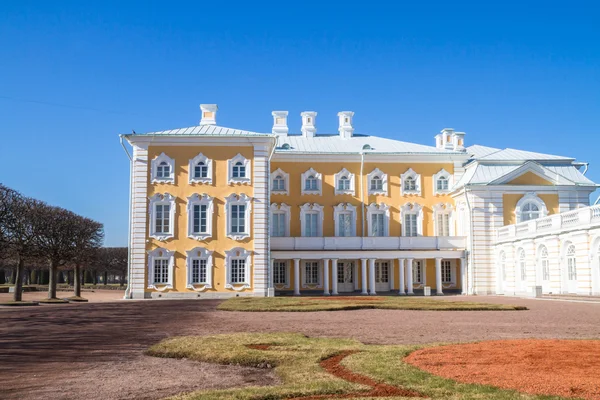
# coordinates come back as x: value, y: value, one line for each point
x: 113, y: 260
x: 89, y: 236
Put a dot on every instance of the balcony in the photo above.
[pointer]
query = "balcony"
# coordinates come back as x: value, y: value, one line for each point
x: 583, y: 218
x: 369, y: 243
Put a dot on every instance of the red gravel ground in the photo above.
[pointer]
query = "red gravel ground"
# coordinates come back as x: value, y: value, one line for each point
x: 568, y: 368
x: 95, y: 350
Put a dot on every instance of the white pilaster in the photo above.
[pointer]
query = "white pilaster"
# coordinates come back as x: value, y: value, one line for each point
x: 372, y: 290
x: 402, y: 289
x: 260, y: 217
x: 438, y: 277
x: 363, y: 265
x: 139, y: 212
x: 409, y: 277
x: 334, y: 276
x: 296, y: 277
x: 463, y: 276
x: 326, y: 277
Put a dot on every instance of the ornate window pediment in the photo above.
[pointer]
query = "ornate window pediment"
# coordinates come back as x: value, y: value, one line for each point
x: 163, y: 169
x: 238, y: 262
x: 442, y: 182
x: 378, y: 219
x: 161, y: 263
x: 443, y: 214
x: 312, y: 182
x: 344, y: 182
x: 280, y: 182
x: 410, y: 183
x: 377, y: 182
x: 162, y: 216
x: 200, y: 169
x: 239, y: 171
x: 200, y: 216
x: 237, y: 211
x: 311, y: 220
x: 280, y: 220
x: 199, y: 269
x: 412, y: 219
x: 344, y: 217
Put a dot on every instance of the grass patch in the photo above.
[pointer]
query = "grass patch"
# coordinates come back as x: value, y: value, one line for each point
x: 296, y: 359
x: 356, y: 303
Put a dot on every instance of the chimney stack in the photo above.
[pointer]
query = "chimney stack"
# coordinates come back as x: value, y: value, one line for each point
x: 209, y: 114
x: 308, y: 123
x: 346, y: 128
x: 280, y: 126
x: 447, y: 139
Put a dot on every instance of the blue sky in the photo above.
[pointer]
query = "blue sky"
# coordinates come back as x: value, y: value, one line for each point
x: 74, y: 75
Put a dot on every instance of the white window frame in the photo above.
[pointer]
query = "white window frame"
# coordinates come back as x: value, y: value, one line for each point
x: 319, y: 283
x: 162, y: 199
x: 382, y: 208
x: 412, y: 208
x: 246, y: 163
x: 238, y: 253
x: 436, y: 177
x: 417, y: 177
x: 199, y: 253
x: 444, y: 208
x: 281, y: 209
x: 311, y: 208
x: 238, y: 199
x: 522, y: 264
x: 338, y: 177
x: 544, y: 262
x: 286, y: 181
x: 452, y: 282
x: 319, y: 179
x: 384, y: 180
x: 571, y: 261
x: 209, y: 169
x: 344, y: 208
x: 423, y: 280
x: 286, y: 284
x: 530, y: 197
x: 199, y: 200
x: 154, y: 169
x: 160, y: 254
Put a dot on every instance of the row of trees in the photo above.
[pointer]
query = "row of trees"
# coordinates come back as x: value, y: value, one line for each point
x: 32, y: 231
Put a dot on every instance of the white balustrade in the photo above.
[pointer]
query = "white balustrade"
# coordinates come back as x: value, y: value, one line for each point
x: 369, y: 243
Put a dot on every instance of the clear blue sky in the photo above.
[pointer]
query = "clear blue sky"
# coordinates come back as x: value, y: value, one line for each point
x: 509, y: 74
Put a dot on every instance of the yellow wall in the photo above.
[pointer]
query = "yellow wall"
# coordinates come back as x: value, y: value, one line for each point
x: 182, y: 189
x: 510, y: 201
x: 328, y: 199
x: 529, y: 178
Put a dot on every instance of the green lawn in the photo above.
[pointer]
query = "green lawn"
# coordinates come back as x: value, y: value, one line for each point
x: 356, y: 303
x: 295, y: 359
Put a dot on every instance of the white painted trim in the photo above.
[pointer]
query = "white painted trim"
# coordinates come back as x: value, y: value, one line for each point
x: 530, y: 197
x: 412, y: 208
x: 382, y: 208
x: 442, y: 173
x: 248, y: 171
x: 235, y: 199
x: 410, y: 174
x: 319, y: 284
x: 444, y: 208
x: 344, y: 208
x: 199, y: 253
x: 384, y: 179
x: 310, y: 208
x: 162, y: 199
x: 286, y: 181
x: 209, y: 169
x: 350, y: 176
x: 282, y: 209
x: 535, y: 168
x: 203, y: 199
x: 237, y: 253
x: 154, y: 169
x: 318, y: 176
x: 160, y: 254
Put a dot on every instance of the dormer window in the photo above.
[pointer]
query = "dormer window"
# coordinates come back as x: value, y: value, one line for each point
x: 410, y: 183
x: 200, y: 169
x: 163, y: 169
x: 377, y: 182
x: 344, y: 182
x: 442, y: 182
x: 311, y: 182
x: 239, y: 170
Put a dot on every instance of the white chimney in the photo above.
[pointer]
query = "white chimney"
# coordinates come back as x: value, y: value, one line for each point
x: 346, y: 128
x: 280, y: 126
x: 308, y: 123
x: 209, y: 114
x: 458, y: 141
x: 438, y: 141
x: 447, y: 134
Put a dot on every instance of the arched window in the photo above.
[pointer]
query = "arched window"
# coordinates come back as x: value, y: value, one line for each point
x: 239, y: 170
x: 571, y: 263
x: 200, y: 170
x: 311, y: 183
x: 163, y: 170
x: 503, y: 265
x: 376, y: 183
x: 278, y: 183
x: 522, y: 264
x: 530, y: 207
x: 545, y: 263
x: 344, y: 183
x: 529, y: 211
x: 442, y: 184
x: 410, y: 185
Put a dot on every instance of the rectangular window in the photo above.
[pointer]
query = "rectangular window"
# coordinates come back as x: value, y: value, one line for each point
x: 162, y: 218
x: 238, y: 270
x: 200, y: 218
x: 238, y: 218
x: 443, y: 224
x: 200, y: 171
x: 376, y: 184
x: 545, y: 269
x: 442, y: 184
x: 410, y: 225
x: 377, y: 221
x: 311, y: 225
x: 311, y: 184
x: 382, y: 272
x: 345, y: 224
x: 278, y: 185
x: 278, y: 224
x: 344, y: 184
x: 418, y: 272
x: 280, y: 273
x: 312, y: 273
x: 161, y: 270
x: 572, y: 270
x: 446, y: 271
x: 198, y: 270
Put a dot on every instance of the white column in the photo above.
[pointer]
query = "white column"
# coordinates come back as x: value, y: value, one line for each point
x: 463, y: 276
x: 334, y: 277
x: 296, y: 277
x: 409, y: 277
x: 326, y: 277
x: 363, y: 265
x: 271, y: 271
x: 391, y: 276
x: 438, y: 277
x: 372, y: 277
x: 402, y: 289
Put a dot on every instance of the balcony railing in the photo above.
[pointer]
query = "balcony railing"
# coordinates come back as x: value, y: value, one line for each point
x: 581, y: 218
x: 369, y: 243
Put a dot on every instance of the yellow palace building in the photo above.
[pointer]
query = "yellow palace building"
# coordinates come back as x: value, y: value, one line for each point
x: 219, y: 212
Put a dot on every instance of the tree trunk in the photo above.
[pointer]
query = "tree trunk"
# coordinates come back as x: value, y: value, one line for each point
x: 70, y: 277
x: 52, y: 280
x: 121, y: 280
x: 2, y: 276
x: 95, y: 277
x: 33, y: 276
x: 105, y: 277
x: 18, y: 294
x: 77, y: 283
x: 45, y: 277
x: 13, y: 273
